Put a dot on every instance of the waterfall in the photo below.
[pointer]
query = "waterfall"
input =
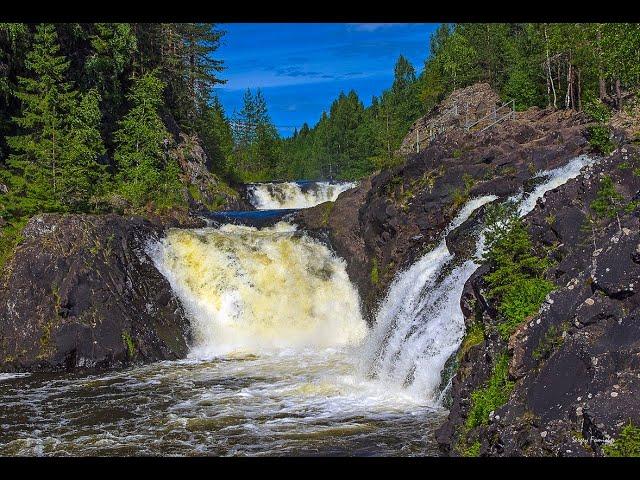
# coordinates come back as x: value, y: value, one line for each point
x: 289, y: 195
x: 419, y: 323
x: 249, y: 290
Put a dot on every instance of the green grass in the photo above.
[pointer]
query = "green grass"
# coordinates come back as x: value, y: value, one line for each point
x: 492, y: 396
x: 626, y: 445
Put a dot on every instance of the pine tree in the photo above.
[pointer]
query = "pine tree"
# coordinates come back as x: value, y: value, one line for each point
x: 145, y: 172
x: 82, y: 175
x: 47, y: 98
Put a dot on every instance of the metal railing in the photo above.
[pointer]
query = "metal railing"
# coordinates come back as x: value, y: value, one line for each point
x: 437, y: 127
x: 511, y: 113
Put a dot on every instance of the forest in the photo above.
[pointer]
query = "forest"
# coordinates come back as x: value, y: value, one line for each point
x: 91, y: 114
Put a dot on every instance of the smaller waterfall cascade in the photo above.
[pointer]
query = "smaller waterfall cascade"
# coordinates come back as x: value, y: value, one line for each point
x: 289, y: 195
x: 420, y: 324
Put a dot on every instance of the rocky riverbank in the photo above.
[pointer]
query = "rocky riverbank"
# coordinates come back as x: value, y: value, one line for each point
x: 574, y: 367
x: 80, y: 292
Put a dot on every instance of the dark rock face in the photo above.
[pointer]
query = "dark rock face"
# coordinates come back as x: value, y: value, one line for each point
x: 80, y: 292
x: 576, y: 364
x: 394, y: 217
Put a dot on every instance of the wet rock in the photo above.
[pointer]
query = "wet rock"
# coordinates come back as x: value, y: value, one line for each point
x: 81, y: 292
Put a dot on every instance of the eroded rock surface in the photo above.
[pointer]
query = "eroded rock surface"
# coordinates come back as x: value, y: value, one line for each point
x: 576, y: 364
x: 81, y: 292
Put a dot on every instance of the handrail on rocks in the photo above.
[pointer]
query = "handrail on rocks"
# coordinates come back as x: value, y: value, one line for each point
x: 434, y: 128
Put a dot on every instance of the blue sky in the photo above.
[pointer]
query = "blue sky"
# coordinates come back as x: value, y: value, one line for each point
x: 302, y: 67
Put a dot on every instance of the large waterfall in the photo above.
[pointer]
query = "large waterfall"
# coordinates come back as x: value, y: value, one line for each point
x: 289, y: 195
x: 251, y: 290
x: 282, y: 362
x: 420, y: 324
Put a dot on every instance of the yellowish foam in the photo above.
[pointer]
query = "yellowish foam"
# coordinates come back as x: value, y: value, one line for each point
x: 250, y: 290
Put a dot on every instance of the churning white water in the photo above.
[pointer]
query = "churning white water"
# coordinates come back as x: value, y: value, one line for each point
x: 420, y: 324
x: 289, y: 195
x: 250, y: 290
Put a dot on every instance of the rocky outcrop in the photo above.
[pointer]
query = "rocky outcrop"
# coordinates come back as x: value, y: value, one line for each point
x: 391, y: 219
x: 462, y: 106
x: 576, y: 364
x: 205, y: 191
x: 81, y: 292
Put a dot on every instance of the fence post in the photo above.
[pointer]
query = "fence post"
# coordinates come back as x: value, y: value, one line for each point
x: 417, y: 142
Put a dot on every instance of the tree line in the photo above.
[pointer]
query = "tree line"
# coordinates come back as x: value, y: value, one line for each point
x: 90, y: 114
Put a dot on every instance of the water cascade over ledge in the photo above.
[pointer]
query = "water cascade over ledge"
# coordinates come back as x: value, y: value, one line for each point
x: 420, y: 324
x: 290, y: 195
x: 254, y: 290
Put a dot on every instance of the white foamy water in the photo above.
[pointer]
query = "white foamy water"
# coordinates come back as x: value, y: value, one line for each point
x: 252, y: 291
x: 286, y: 195
x: 420, y: 324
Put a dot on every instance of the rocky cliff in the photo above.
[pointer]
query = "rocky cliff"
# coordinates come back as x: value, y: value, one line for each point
x: 81, y: 292
x: 574, y: 367
x: 391, y: 219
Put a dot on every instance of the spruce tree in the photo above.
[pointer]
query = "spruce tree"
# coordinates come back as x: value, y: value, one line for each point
x: 82, y: 175
x: 145, y: 172
x: 47, y: 98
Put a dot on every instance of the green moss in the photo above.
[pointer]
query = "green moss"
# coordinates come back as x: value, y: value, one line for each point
x: 626, y: 445
x: 45, y: 340
x: 551, y: 340
x: 128, y: 342
x: 473, y: 336
x: 492, y: 396
x: 375, y: 274
x: 472, y: 450
x: 328, y: 208
x: 10, y: 237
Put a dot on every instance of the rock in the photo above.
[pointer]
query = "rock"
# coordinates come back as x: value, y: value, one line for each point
x: 80, y: 292
x: 573, y: 363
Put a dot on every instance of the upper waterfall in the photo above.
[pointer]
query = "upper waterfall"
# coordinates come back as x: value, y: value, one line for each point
x: 289, y: 195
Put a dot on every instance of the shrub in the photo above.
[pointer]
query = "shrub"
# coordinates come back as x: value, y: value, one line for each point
x: 516, y: 279
x: 626, y: 445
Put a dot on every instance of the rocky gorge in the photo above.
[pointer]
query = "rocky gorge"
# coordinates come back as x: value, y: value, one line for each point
x: 81, y: 292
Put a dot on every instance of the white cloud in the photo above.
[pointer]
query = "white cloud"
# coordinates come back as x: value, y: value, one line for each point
x: 371, y: 27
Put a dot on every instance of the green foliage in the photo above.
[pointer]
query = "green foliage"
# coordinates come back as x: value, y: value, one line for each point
x: 146, y: 173
x: 472, y: 450
x: 375, y: 274
x: 10, y: 236
x: 551, y: 340
x: 492, y: 396
x: 474, y: 336
x: 600, y: 139
x: 608, y: 202
x: 627, y: 444
x: 516, y: 280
